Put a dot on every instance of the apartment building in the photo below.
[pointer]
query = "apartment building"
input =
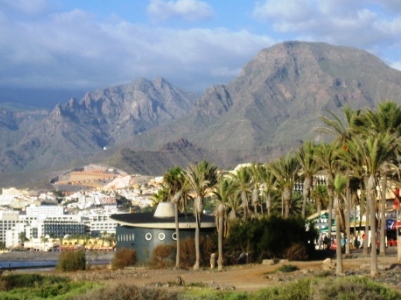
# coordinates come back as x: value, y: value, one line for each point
x: 8, y: 219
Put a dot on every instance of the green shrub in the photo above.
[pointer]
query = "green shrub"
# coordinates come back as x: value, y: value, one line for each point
x: 288, y: 268
x: 127, y: 291
x: 71, y: 261
x: 299, y: 290
x: 271, y: 237
x: 351, y: 288
x: 35, y: 286
x: 12, y: 281
x: 124, y: 258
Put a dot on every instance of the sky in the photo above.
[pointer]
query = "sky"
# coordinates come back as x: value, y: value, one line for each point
x: 89, y: 44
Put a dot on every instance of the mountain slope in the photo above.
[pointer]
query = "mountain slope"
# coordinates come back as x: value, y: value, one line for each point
x: 150, y: 126
x: 74, y: 132
x: 280, y: 95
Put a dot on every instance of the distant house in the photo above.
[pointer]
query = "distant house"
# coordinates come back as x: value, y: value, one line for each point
x: 145, y: 231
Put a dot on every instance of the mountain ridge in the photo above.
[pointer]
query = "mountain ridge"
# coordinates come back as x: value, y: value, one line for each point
x: 151, y: 126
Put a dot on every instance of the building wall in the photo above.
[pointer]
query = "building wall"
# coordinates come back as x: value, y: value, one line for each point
x: 8, y: 219
x: 145, y: 240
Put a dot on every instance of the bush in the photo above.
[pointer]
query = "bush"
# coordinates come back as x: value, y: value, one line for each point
x: 271, y: 237
x: 187, y: 252
x: 36, y: 286
x: 71, y: 261
x: 296, y: 251
x: 288, y: 268
x: 163, y: 256
x: 127, y: 291
x: 13, y: 281
x: 124, y: 258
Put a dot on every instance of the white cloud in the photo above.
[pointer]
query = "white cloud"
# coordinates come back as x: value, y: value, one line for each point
x: 190, y: 10
x: 28, y: 7
x: 356, y: 23
x: 73, y: 50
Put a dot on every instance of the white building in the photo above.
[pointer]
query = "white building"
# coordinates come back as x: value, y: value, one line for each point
x: 8, y: 219
x: 44, y: 211
x: 100, y: 224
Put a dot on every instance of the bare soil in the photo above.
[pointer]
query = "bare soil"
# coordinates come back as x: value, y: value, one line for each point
x: 250, y: 277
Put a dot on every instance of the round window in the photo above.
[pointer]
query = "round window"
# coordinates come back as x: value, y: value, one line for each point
x: 174, y: 236
x: 148, y: 236
x: 161, y: 236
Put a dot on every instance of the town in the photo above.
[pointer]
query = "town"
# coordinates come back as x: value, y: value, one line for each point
x: 77, y: 209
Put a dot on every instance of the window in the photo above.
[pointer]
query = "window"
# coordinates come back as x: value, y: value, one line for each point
x: 148, y: 236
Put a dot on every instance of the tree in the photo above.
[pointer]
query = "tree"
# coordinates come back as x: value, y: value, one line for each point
x: 201, y: 177
x: 243, y: 178
x: 340, y: 183
x: 285, y: 170
x: 375, y: 151
x: 326, y: 157
x: 256, y: 177
x: 268, y: 186
x: 309, y: 167
x: 320, y: 196
x: 224, y: 190
x: 386, y: 119
x: 176, y: 187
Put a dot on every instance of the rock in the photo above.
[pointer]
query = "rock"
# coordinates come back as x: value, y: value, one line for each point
x: 327, y: 264
x: 268, y: 262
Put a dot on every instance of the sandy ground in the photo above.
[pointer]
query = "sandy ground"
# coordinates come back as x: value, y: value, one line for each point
x: 250, y: 277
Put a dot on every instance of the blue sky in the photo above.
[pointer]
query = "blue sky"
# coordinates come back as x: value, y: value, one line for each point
x: 89, y: 44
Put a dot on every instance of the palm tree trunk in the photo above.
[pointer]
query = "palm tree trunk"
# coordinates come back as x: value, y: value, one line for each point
x: 255, y: 200
x: 339, y: 259
x: 244, y: 201
x: 268, y: 204
x: 330, y: 192
x: 383, y: 216
x: 367, y: 220
x: 347, y: 214
x: 220, y: 242
x: 372, y: 200
x: 287, y: 201
x: 306, y: 193
x: 177, y: 234
x: 197, y: 241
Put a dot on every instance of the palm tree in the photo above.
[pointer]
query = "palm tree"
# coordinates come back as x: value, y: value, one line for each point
x: 44, y: 240
x: 340, y: 183
x: 326, y: 157
x: 309, y: 167
x: 256, y: 177
x: 176, y: 187
x: 268, y: 185
x: 375, y: 150
x: 224, y: 190
x: 320, y: 196
x: 285, y: 170
x: 243, y: 178
x: 386, y: 119
x: 201, y: 177
x: 160, y: 196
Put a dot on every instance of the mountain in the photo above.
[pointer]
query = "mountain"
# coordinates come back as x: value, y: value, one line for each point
x: 149, y: 126
x: 279, y: 96
x: 71, y: 133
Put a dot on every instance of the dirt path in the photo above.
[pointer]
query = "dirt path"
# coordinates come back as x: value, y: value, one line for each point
x: 250, y: 277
